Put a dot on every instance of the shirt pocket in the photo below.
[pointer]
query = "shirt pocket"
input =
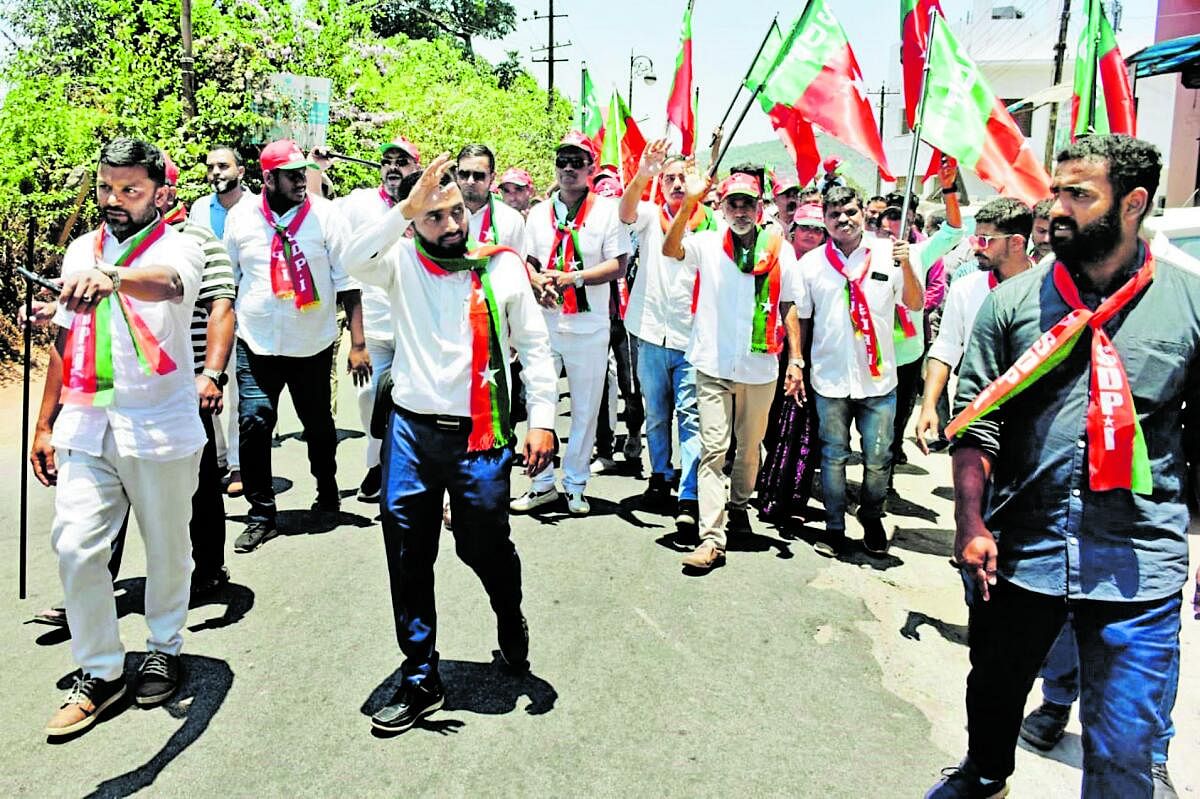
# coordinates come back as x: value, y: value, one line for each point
x: 1157, y: 371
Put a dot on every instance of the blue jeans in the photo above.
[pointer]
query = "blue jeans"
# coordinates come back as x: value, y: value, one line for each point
x: 874, y: 417
x: 1060, y: 685
x: 421, y: 461
x: 669, y: 390
x: 1127, y: 654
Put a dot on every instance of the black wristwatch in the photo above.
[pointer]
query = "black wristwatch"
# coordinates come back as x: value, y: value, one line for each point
x: 220, y: 378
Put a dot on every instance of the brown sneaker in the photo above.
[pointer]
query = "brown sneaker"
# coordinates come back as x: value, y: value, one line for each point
x: 87, y: 699
x: 705, y: 557
x: 235, y: 488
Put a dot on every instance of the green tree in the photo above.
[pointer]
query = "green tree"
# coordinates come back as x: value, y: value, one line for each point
x: 459, y: 19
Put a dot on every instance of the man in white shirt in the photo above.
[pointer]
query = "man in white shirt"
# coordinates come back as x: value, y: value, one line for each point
x: 118, y: 428
x: 1002, y: 229
x: 362, y: 207
x: 456, y: 311
x: 745, y: 283
x: 287, y: 256
x: 851, y: 288
x: 576, y: 247
x: 491, y: 222
x: 659, y: 317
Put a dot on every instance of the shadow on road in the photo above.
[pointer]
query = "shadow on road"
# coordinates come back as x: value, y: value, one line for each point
x: 556, y: 511
x: 954, y: 633
x: 926, y: 540
x: 310, y: 522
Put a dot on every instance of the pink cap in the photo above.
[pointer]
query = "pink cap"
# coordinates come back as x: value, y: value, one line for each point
x: 739, y: 183
x: 284, y: 154
x: 809, y: 215
x: 831, y: 163
x: 579, y: 141
x: 399, y: 142
x: 608, y: 187
x: 172, y: 170
x: 517, y: 177
x: 783, y: 182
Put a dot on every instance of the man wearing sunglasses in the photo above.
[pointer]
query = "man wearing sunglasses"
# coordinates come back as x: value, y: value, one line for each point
x: 400, y: 158
x: 576, y: 246
x: 491, y: 222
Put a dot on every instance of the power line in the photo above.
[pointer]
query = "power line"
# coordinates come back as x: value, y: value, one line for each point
x: 549, y: 60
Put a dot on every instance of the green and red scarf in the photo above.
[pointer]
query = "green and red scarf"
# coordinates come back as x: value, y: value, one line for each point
x: 566, y: 255
x: 490, y: 425
x: 87, y: 356
x: 387, y: 198
x: 701, y: 219
x: 488, y: 233
x: 860, y: 311
x: 290, y: 276
x: 176, y: 215
x: 761, y: 261
x: 1117, y: 455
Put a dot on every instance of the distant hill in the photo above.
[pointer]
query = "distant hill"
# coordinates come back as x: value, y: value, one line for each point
x: 855, y: 168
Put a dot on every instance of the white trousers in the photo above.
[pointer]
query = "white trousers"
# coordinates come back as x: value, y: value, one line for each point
x: 228, y: 442
x: 90, y: 503
x: 381, y: 353
x: 585, y: 358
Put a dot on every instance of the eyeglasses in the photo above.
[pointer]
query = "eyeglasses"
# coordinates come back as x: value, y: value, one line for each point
x: 571, y: 161
x: 467, y: 174
x: 981, y: 242
x: 401, y: 161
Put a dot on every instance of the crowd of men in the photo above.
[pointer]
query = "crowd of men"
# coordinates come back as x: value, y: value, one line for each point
x: 751, y: 331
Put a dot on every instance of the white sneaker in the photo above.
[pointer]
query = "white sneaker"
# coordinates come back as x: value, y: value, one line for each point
x: 577, y: 504
x: 603, y: 465
x: 533, y: 499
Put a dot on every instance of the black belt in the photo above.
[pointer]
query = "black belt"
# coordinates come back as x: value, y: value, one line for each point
x: 438, y: 420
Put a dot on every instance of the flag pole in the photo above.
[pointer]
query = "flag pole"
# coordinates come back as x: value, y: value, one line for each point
x: 741, y: 117
x: 23, y: 522
x: 920, y: 123
x: 733, y: 100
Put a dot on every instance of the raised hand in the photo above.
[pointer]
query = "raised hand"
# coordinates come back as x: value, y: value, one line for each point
x: 654, y: 158
x: 428, y: 190
x: 695, y: 184
x: 948, y: 172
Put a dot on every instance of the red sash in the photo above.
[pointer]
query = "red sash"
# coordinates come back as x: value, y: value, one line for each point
x: 565, y: 254
x: 860, y: 312
x: 290, y: 276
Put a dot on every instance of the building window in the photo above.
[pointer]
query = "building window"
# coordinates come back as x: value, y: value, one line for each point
x: 1023, y: 116
x: 1007, y: 12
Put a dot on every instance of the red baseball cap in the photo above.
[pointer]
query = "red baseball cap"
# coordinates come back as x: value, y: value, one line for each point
x: 401, y: 143
x: 608, y: 186
x: 284, y: 154
x: 739, y: 183
x: 172, y: 171
x: 831, y: 163
x: 579, y: 141
x: 517, y: 177
x: 783, y: 182
x: 809, y: 215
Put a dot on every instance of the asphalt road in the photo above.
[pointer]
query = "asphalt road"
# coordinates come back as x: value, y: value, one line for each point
x: 781, y: 674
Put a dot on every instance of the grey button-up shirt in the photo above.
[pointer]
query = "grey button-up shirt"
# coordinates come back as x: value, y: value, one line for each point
x: 1055, y: 535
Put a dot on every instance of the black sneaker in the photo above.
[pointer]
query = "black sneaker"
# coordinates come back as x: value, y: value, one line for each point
x: 254, y: 536
x: 512, y: 633
x: 157, y: 679
x: 1163, y: 789
x: 687, y: 516
x: 657, y: 495
x: 963, y: 782
x: 368, y: 490
x: 203, y: 585
x: 875, y: 540
x: 410, y: 703
x: 833, y: 545
x: 327, y: 503
x: 1043, y: 728
x: 738, y: 521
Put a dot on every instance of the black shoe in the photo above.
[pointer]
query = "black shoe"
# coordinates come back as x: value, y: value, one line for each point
x: 512, y: 633
x: 939, y: 445
x: 833, y: 545
x: 368, y: 491
x: 202, y: 585
x: 738, y: 522
x: 254, y: 536
x: 327, y: 503
x: 1043, y: 728
x: 658, y: 493
x: 899, y: 458
x: 157, y: 679
x: 687, y: 516
x: 875, y: 539
x: 1163, y: 789
x: 963, y: 782
x: 410, y: 703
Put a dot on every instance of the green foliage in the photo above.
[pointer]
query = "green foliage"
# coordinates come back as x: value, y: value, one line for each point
x: 461, y: 20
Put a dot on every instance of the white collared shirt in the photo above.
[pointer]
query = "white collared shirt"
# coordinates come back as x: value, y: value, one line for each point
x: 272, y: 325
x: 602, y: 238
x: 510, y: 225
x: 963, y: 302
x: 201, y: 211
x: 660, y: 308
x: 153, y: 416
x: 839, y: 357
x: 432, y: 367
x: 361, y: 207
x: 724, y: 324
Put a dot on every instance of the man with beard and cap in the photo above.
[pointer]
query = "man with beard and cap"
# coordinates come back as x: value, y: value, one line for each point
x: 659, y: 317
x: 287, y: 255
x: 744, y: 282
x: 1070, y: 474
x: 516, y: 189
x: 400, y: 158
x: 577, y: 246
x: 491, y: 222
x: 852, y: 286
x: 873, y: 212
x: 456, y: 310
x: 785, y: 192
x: 118, y: 429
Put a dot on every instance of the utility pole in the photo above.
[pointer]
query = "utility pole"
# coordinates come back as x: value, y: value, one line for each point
x: 1060, y: 50
x: 186, y: 62
x: 883, y: 94
x: 549, y: 60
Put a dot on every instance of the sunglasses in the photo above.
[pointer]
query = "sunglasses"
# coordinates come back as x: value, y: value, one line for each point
x: 401, y: 161
x: 571, y: 161
x: 981, y: 242
x: 467, y: 174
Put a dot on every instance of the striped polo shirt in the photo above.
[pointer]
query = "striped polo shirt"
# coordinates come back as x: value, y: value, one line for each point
x: 215, y: 284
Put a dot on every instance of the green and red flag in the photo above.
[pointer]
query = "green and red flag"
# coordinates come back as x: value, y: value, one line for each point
x: 1102, y: 101
x: 589, y: 120
x: 963, y: 118
x: 681, y: 114
x: 793, y: 129
x: 816, y: 73
x: 914, y: 40
x: 623, y: 142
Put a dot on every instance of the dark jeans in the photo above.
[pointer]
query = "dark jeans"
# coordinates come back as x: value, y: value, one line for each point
x: 421, y: 461
x: 261, y: 379
x: 630, y: 390
x: 1126, y: 651
x: 908, y: 385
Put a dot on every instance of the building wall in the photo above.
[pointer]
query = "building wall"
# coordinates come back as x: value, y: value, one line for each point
x: 1178, y: 18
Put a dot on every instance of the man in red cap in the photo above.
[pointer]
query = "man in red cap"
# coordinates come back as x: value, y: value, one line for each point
x: 743, y: 282
x: 576, y: 247
x: 362, y: 207
x: 516, y: 189
x: 786, y: 196
x: 831, y: 177
x: 808, y: 228
x: 287, y: 254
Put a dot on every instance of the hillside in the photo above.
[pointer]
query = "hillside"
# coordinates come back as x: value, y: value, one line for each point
x: 855, y: 168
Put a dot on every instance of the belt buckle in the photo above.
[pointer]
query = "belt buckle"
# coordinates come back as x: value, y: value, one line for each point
x: 448, y: 423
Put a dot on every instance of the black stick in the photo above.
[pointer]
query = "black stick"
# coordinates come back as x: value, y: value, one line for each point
x: 725, y: 148
x: 23, y: 523
x: 345, y: 157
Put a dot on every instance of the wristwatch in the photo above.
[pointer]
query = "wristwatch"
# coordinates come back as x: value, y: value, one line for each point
x: 112, y: 274
x: 578, y: 281
x: 220, y: 378
x: 796, y: 362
